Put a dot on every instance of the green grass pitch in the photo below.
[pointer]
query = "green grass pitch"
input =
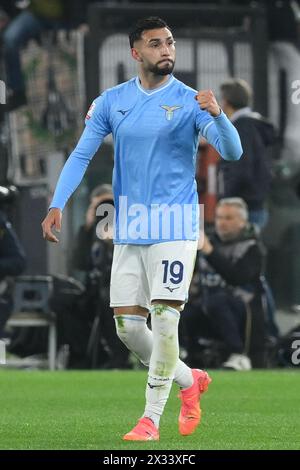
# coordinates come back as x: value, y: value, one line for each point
x: 93, y: 409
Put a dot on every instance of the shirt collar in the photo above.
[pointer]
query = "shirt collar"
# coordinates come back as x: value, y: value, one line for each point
x: 240, y: 112
x: 155, y: 90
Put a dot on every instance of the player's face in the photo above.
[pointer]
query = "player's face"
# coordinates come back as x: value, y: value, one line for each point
x: 229, y: 222
x: 156, y: 51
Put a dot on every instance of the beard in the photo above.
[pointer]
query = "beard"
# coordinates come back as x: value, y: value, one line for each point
x: 165, y: 69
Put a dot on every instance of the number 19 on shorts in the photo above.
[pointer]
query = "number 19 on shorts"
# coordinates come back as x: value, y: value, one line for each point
x: 173, y: 272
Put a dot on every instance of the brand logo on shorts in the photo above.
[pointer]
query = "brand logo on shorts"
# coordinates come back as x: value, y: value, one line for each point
x: 171, y: 288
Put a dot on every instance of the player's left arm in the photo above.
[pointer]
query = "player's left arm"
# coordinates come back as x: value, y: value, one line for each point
x: 216, y: 127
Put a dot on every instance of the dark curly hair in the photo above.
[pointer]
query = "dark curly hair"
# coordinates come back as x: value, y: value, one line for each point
x: 144, y: 24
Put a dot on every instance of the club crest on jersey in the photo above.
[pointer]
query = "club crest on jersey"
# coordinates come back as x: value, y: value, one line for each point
x: 169, y: 110
x: 91, y: 110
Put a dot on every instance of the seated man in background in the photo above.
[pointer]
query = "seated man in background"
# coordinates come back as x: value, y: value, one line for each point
x: 231, y: 264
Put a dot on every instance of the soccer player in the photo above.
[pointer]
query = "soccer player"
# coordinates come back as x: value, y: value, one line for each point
x: 155, y: 121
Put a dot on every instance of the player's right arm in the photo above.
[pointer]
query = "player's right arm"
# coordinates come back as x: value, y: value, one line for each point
x: 97, y: 127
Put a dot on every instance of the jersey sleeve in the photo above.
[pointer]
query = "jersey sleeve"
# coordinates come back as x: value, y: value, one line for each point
x: 220, y: 133
x: 96, y: 129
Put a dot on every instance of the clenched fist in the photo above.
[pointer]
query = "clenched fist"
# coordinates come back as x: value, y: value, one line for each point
x: 207, y: 101
x: 53, y: 219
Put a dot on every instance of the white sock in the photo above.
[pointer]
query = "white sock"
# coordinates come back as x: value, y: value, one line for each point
x: 135, y: 334
x: 183, y: 375
x: 164, y: 357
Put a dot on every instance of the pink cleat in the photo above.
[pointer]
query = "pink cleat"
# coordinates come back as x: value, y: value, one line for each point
x: 190, y: 412
x: 145, y: 430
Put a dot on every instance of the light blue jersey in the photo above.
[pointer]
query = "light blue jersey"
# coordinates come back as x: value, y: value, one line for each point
x: 155, y: 135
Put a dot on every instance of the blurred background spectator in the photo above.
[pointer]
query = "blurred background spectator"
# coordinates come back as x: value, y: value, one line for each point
x: 230, y: 308
x: 250, y: 178
x: 12, y: 256
x: 93, y: 256
x: 30, y: 18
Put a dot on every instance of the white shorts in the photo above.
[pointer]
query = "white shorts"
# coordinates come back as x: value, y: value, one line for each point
x: 143, y: 273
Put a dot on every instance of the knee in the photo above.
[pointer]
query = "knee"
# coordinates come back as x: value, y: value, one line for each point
x: 129, y: 326
x: 121, y: 328
x: 165, y: 321
x: 133, y: 310
x: 176, y: 304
